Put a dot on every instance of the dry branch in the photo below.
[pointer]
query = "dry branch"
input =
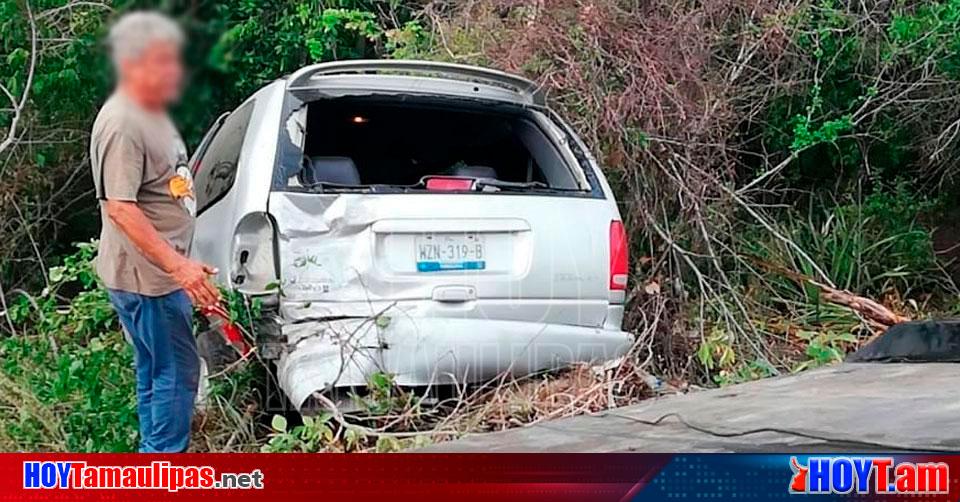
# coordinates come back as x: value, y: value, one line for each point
x: 870, y: 310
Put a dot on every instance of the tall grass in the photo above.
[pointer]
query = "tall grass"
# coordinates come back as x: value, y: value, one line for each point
x: 867, y: 247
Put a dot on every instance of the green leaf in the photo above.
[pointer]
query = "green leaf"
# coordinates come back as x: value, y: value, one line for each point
x: 56, y: 274
x: 279, y: 423
x: 17, y: 56
x: 387, y: 444
x: 705, y: 355
x: 352, y: 437
x: 380, y: 380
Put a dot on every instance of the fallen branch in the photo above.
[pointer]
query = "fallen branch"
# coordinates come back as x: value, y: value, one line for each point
x: 870, y: 310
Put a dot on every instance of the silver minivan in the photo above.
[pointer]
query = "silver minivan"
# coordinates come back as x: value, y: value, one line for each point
x: 432, y: 221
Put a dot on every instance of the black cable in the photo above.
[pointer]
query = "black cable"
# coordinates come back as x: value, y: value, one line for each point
x: 885, y: 446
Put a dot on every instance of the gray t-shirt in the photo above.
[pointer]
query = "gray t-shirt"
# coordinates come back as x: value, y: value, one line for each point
x: 138, y: 156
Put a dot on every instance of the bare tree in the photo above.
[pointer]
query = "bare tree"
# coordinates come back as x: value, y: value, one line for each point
x: 19, y: 104
x: 17, y: 108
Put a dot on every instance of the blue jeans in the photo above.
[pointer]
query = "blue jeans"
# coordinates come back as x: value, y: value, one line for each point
x: 167, y: 365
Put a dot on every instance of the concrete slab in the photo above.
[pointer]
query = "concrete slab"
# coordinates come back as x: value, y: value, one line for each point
x: 849, y: 407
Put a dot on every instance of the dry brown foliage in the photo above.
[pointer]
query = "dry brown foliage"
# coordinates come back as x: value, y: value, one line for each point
x: 672, y: 96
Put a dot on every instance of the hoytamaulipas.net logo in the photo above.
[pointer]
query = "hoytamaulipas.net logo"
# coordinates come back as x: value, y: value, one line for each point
x: 868, y: 475
x: 159, y: 475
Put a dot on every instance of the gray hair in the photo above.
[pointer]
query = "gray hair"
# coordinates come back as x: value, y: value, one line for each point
x: 135, y: 31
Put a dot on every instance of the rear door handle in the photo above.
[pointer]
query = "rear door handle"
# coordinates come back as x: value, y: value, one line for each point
x: 453, y: 294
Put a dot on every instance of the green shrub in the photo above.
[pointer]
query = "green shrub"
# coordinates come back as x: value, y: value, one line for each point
x: 67, y: 379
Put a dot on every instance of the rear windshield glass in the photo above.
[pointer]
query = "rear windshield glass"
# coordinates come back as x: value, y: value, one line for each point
x: 366, y: 144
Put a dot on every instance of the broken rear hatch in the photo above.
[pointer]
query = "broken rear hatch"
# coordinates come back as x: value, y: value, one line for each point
x: 502, y: 262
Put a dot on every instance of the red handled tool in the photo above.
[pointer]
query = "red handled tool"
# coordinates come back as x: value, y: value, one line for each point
x: 220, y: 320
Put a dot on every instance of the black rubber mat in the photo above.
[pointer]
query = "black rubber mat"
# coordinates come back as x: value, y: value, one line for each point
x: 916, y: 341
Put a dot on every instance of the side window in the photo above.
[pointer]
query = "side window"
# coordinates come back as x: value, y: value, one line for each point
x: 217, y: 168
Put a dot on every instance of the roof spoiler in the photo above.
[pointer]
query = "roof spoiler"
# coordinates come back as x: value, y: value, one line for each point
x: 301, y: 79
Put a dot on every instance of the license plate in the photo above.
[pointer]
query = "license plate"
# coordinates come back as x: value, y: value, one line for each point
x: 439, y: 252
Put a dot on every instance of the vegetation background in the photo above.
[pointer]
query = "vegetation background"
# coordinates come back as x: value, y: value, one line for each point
x: 774, y: 159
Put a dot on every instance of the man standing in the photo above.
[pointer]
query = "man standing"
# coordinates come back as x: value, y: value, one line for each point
x: 147, y: 209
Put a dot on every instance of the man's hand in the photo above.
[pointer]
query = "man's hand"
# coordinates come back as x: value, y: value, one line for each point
x: 192, y: 277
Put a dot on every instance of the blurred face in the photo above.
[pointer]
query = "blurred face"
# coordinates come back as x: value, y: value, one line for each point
x: 156, y: 76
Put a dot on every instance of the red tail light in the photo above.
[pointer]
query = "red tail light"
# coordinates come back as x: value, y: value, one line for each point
x: 619, y: 249
x: 448, y: 184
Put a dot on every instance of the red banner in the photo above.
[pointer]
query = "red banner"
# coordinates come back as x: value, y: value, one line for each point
x: 498, y: 477
x: 295, y: 477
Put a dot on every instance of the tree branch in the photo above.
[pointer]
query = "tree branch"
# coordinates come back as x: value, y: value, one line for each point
x: 18, y: 106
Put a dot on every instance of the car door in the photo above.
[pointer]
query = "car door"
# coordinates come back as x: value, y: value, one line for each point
x: 232, y: 171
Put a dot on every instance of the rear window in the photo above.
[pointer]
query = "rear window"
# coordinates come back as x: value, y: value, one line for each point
x: 397, y: 145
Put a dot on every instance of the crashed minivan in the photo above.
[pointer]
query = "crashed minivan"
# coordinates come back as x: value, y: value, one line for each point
x: 431, y: 221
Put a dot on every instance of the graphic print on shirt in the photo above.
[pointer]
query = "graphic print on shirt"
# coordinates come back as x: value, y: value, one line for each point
x: 181, y: 184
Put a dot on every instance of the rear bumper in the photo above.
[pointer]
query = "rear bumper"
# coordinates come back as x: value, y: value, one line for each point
x: 418, y: 351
